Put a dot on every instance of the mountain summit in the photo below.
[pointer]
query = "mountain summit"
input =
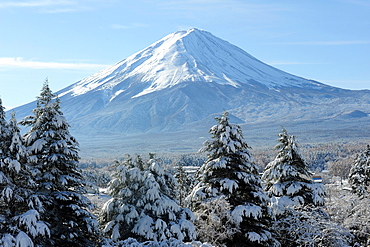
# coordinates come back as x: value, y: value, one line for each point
x: 193, y: 55
x: 179, y: 83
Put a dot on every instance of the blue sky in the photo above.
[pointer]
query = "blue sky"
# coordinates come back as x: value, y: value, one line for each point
x: 68, y: 40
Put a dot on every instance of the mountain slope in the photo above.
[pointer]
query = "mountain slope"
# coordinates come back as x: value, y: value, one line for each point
x: 180, y: 82
x: 181, y: 78
x: 192, y: 55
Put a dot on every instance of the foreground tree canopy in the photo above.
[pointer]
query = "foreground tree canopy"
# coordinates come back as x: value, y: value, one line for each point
x: 143, y: 204
x: 287, y: 178
x: 20, y: 208
x: 53, y: 157
x: 230, y: 173
x: 43, y: 198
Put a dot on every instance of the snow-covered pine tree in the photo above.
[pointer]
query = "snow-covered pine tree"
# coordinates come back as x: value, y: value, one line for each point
x: 359, y: 175
x: 5, y: 135
x: 288, y: 180
x: 53, y: 158
x: 230, y: 173
x: 143, y: 205
x: 19, y: 207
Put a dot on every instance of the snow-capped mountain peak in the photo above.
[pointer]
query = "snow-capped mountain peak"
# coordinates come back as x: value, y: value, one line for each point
x: 186, y: 56
x: 181, y: 82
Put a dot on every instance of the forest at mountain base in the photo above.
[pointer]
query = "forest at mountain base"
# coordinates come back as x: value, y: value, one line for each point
x: 226, y: 196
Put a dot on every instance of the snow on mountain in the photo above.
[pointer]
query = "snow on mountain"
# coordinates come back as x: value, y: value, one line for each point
x: 181, y: 82
x: 192, y: 55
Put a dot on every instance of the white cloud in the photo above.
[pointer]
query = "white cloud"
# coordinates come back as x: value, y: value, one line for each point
x: 65, y: 10
x: 36, y: 3
x: 119, y: 26
x: 334, y: 42
x: 52, y: 6
x: 18, y: 62
x: 286, y: 63
x: 134, y: 25
x: 349, y: 84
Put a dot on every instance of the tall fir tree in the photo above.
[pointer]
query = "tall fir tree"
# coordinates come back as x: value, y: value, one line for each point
x: 287, y: 178
x: 230, y: 174
x: 53, y: 157
x: 4, y: 133
x: 143, y: 204
x: 19, y: 207
x: 359, y: 175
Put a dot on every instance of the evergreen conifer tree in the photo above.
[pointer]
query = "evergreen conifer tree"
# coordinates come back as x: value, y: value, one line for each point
x: 230, y: 174
x: 143, y: 205
x: 359, y: 176
x: 287, y: 178
x: 53, y: 157
x: 19, y: 207
x: 4, y: 133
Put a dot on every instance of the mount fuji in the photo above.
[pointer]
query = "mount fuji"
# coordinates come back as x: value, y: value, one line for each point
x: 181, y: 82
